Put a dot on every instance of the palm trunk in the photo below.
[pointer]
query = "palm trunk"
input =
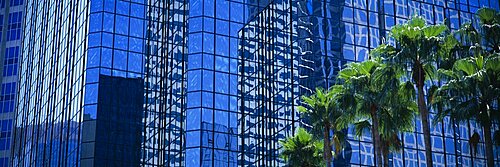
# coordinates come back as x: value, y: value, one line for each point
x: 424, y: 113
x: 419, y: 79
x: 385, y: 152
x: 376, y: 136
x: 327, y: 155
x: 489, y: 145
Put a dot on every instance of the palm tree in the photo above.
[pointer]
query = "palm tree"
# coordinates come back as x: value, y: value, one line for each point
x: 302, y: 150
x: 471, y: 93
x: 396, y: 118
x: 419, y: 45
x: 322, y: 112
x: 392, y: 123
x: 484, y: 40
x: 479, y: 46
x: 378, y: 100
x: 490, y: 30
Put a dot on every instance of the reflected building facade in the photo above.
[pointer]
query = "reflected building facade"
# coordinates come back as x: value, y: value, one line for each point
x: 165, y: 83
x: 268, y: 86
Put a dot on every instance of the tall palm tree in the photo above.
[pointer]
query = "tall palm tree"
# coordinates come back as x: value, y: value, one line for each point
x: 302, y: 150
x: 479, y: 46
x: 379, y: 102
x: 489, y: 30
x: 418, y: 46
x: 392, y: 123
x: 322, y: 112
x: 472, y: 91
x: 397, y: 117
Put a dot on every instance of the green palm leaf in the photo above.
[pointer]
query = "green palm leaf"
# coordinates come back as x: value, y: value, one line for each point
x: 434, y: 31
x: 487, y: 15
x: 302, y: 150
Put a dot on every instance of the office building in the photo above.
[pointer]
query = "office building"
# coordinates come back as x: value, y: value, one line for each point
x: 82, y: 89
x: 11, y: 17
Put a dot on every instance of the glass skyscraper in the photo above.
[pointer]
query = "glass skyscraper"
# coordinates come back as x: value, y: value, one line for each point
x: 82, y: 90
x: 200, y: 82
x: 11, y: 17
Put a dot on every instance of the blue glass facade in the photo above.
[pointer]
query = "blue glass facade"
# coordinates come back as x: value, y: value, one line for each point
x: 268, y: 87
x: 78, y: 58
x: 197, y: 82
x: 212, y: 80
x: 51, y: 85
x: 114, y: 86
x: 165, y: 113
x: 11, y: 17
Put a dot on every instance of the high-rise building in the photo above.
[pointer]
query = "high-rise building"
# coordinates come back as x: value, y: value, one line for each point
x: 81, y: 96
x: 11, y: 17
x: 202, y: 82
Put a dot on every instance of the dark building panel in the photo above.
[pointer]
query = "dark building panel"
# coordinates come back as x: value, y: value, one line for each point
x: 118, y: 129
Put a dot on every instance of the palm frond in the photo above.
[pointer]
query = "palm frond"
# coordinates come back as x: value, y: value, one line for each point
x: 487, y: 15
x: 361, y: 126
x: 468, y: 66
x: 302, y: 149
x: 339, y: 140
x: 434, y: 30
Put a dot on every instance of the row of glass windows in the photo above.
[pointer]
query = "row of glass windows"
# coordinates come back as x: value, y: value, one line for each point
x: 5, y: 134
x: 212, y: 100
x: 205, y: 115
x: 10, y: 69
x: 225, y: 10
x: 211, y: 157
x: 267, y: 82
x: 208, y: 82
x: 11, y: 60
x: 7, y: 99
x: 12, y: 3
x: 465, y: 5
x: 118, y: 24
x: 206, y: 61
x: 14, y: 26
x: 116, y: 59
x: 132, y: 8
x: 213, y: 126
